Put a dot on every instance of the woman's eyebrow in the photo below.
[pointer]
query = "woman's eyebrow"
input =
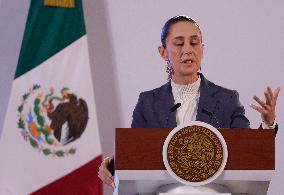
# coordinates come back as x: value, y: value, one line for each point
x: 182, y: 37
x: 194, y: 37
x: 179, y: 38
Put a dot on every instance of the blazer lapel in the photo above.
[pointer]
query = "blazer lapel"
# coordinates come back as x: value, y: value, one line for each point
x: 164, y: 101
x: 207, y: 103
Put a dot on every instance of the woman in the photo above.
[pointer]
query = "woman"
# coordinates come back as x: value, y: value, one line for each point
x: 189, y: 95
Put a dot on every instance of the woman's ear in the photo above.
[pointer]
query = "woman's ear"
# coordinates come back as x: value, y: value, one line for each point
x: 163, y: 53
x: 203, y: 45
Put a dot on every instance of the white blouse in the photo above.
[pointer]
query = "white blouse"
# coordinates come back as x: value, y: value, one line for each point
x: 188, y: 96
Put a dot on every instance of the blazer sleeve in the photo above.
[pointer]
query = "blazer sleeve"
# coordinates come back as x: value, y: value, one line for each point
x: 138, y: 118
x: 275, y: 129
x: 238, y: 118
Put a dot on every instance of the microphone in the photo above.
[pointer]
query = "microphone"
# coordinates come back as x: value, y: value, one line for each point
x: 175, y: 107
x: 212, y: 115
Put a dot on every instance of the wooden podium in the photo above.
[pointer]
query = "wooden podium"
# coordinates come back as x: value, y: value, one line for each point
x: 139, y: 167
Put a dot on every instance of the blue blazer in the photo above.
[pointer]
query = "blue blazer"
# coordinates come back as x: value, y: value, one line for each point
x: 217, y: 106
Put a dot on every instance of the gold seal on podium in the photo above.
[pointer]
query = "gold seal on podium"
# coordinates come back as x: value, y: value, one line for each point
x: 195, y: 153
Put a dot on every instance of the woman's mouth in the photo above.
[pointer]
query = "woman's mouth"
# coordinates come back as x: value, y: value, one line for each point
x: 187, y: 61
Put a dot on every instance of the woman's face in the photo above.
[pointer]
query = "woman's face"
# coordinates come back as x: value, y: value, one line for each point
x: 184, y: 50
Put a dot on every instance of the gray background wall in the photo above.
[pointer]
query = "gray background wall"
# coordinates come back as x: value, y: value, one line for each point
x: 244, y: 45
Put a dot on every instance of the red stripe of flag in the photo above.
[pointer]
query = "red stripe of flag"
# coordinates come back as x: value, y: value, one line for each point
x: 82, y: 181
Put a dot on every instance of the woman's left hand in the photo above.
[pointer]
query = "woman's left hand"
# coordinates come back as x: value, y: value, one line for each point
x: 267, y: 108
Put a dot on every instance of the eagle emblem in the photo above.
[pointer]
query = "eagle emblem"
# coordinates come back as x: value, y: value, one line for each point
x: 51, y: 121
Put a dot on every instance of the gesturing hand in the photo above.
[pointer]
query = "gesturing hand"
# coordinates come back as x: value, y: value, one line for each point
x: 267, y: 108
x: 104, y: 173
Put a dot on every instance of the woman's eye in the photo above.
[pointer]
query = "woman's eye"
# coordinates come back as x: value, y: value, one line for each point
x: 179, y: 44
x: 194, y: 43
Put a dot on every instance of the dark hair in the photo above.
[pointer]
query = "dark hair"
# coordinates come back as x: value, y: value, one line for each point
x: 172, y: 21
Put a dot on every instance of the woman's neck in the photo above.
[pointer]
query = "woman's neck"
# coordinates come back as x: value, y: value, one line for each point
x: 185, y: 80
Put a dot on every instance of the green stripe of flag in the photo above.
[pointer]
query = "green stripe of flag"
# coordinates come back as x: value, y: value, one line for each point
x: 48, y: 30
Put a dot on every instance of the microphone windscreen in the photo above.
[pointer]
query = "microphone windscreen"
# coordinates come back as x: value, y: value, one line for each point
x: 176, y: 106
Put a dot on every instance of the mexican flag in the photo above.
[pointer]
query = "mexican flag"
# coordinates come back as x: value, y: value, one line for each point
x: 50, y: 141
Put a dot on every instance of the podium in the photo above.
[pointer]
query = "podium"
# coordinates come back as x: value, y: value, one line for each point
x: 139, y: 167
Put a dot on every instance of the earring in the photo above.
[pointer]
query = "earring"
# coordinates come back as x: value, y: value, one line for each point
x: 169, y: 69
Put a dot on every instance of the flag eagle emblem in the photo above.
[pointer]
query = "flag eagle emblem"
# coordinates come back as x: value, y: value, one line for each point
x: 51, y: 121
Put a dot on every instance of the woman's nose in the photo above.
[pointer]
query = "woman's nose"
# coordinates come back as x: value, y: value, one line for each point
x: 187, y: 49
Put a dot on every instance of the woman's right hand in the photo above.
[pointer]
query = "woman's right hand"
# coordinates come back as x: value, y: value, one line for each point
x: 104, y: 174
